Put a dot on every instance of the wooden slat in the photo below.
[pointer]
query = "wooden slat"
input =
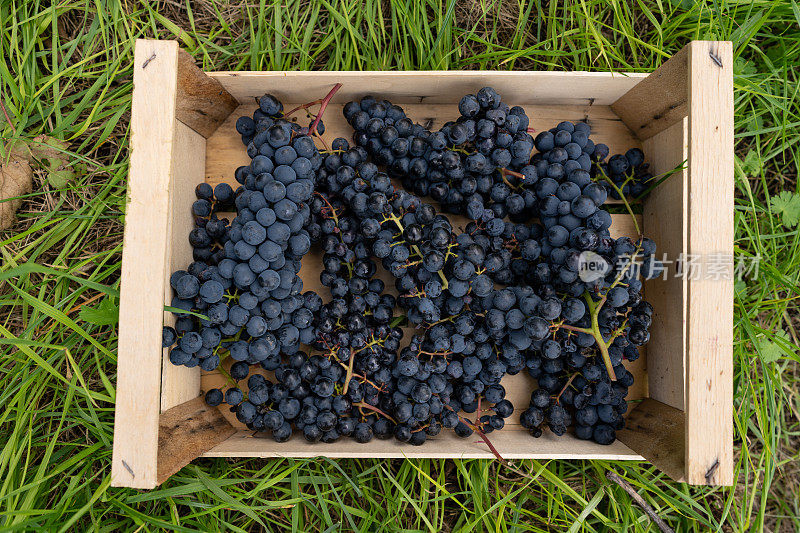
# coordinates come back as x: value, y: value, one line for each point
x: 144, y: 262
x: 665, y: 223
x: 434, y: 87
x: 180, y: 384
x: 709, y: 370
x: 512, y: 444
x: 658, y: 101
x: 202, y: 103
x: 187, y: 431
x: 656, y: 431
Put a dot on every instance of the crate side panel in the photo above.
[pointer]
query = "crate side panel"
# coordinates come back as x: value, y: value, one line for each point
x: 437, y: 87
x: 144, y: 260
x: 709, y: 369
x: 180, y: 384
x: 665, y: 223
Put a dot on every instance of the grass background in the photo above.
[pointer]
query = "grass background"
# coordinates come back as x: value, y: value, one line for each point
x: 65, y: 70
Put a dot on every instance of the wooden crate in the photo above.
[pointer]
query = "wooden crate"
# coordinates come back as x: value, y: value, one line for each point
x: 182, y: 134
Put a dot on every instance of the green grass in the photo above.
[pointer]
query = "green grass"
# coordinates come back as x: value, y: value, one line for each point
x: 65, y: 70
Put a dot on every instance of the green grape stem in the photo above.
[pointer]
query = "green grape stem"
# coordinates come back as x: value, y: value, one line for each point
x: 228, y: 377
x: 594, y: 311
x: 622, y: 196
x: 594, y: 307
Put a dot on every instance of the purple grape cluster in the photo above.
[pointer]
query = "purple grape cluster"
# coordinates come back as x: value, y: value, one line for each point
x: 506, y: 294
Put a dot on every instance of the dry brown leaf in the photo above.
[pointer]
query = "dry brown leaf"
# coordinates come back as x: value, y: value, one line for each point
x: 16, y: 174
x: 16, y: 179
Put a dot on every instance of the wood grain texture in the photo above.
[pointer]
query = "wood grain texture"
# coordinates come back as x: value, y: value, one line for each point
x: 144, y: 263
x: 656, y: 431
x: 202, y: 103
x: 709, y: 369
x: 512, y: 444
x: 665, y: 223
x: 433, y: 87
x: 185, y: 432
x: 180, y: 384
x: 659, y: 101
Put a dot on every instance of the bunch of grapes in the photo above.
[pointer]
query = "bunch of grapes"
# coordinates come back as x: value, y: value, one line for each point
x: 305, y: 397
x: 201, y: 288
x: 543, y: 261
x: 574, y: 386
x: 598, y: 320
x: 505, y: 295
x: 354, y: 330
x: 443, y: 288
x: 335, y: 392
x: 244, y: 279
x: 476, y: 166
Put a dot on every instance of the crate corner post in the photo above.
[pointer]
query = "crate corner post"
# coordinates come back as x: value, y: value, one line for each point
x: 186, y: 431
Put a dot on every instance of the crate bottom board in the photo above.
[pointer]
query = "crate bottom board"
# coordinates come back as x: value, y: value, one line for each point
x: 510, y: 443
x: 225, y: 152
